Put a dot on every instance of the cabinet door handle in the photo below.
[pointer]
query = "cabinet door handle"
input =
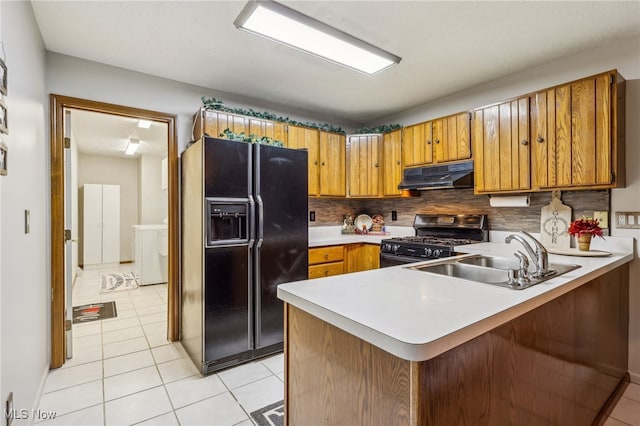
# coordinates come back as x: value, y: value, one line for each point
x: 428, y: 141
x: 525, y: 142
x: 437, y: 141
x: 326, y: 256
x: 315, y: 162
x: 398, y: 162
x: 322, y: 164
x: 540, y: 139
x: 326, y: 272
x: 375, y: 165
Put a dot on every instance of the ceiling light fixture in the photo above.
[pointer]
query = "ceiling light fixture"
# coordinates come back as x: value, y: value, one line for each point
x: 144, y: 124
x: 132, y: 146
x: 291, y: 28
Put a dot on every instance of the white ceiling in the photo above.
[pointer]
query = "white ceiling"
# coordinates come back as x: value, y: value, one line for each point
x: 105, y: 134
x: 445, y: 46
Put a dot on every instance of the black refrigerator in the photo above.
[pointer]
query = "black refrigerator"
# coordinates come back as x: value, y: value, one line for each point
x: 244, y: 231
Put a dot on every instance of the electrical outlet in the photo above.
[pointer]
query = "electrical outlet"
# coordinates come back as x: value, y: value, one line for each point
x: 627, y: 220
x: 312, y: 216
x: 602, y: 217
x: 394, y: 215
x: 8, y: 409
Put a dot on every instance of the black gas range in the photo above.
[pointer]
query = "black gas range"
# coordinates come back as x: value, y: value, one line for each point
x: 436, y: 237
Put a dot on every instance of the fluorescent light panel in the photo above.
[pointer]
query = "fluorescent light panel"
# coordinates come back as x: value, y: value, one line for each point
x: 132, y: 146
x: 283, y: 25
x: 144, y: 124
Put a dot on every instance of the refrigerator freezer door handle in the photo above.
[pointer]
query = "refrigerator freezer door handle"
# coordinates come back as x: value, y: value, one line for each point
x: 252, y: 221
x: 260, y: 217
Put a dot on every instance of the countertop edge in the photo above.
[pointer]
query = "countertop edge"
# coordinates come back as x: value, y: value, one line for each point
x: 429, y: 350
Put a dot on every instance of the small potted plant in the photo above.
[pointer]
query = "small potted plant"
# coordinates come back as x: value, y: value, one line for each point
x: 584, y: 229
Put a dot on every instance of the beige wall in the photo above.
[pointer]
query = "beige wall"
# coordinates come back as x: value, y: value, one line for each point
x: 24, y: 258
x: 114, y: 171
x: 71, y: 76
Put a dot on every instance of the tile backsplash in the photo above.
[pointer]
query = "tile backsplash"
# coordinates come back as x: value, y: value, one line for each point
x: 329, y: 211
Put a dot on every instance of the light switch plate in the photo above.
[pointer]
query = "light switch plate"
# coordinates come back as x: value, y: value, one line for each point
x: 602, y: 217
x: 627, y: 220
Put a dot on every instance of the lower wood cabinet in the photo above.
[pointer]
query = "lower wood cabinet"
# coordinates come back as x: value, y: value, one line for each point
x: 340, y: 259
x: 326, y: 261
x: 362, y: 257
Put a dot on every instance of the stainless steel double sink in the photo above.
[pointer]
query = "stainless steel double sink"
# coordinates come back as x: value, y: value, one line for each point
x: 489, y: 270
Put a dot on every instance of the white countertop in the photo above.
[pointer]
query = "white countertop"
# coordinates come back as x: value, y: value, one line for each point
x: 417, y: 316
x: 330, y: 235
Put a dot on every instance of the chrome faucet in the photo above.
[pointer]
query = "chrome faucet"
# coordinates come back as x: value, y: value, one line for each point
x: 539, y: 257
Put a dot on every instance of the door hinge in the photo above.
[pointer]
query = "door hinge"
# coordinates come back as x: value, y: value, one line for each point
x: 611, y: 79
x: 613, y: 177
x: 67, y: 325
x: 67, y: 235
x: 67, y: 142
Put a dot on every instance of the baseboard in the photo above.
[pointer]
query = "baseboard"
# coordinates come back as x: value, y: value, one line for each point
x: 609, y: 405
x: 36, y: 402
x: 635, y: 377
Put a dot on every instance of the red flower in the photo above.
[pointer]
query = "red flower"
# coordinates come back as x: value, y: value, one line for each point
x: 585, y: 226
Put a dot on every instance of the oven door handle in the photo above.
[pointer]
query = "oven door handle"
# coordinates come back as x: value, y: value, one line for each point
x: 403, y: 259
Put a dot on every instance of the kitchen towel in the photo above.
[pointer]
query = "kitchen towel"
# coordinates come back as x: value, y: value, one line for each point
x: 509, y: 201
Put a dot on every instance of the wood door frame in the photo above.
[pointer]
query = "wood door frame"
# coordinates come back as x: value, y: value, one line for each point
x: 58, y: 104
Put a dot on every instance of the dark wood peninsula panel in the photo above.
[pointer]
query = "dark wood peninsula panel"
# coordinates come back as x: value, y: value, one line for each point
x: 563, y: 363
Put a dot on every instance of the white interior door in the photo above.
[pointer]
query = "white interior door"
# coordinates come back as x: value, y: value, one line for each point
x: 68, y: 245
x: 110, y: 223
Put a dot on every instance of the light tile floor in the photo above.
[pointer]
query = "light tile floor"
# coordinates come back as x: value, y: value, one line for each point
x: 125, y: 372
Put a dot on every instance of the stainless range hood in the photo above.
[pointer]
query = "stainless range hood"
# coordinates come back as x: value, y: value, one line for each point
x: 457, y: 175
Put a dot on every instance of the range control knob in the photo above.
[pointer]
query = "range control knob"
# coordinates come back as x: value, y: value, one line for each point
x: 437, y: 253
x: 386, y: 247
x: 427, y: 252
x: 395, y: 248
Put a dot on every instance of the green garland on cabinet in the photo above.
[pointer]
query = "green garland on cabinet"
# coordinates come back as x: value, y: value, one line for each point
x: 218, y: 105
x: 241, y: 137
x: 383, y: 128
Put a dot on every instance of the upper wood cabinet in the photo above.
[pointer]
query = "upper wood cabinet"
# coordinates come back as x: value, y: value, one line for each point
x: 392, y: 161
x: 501, y: 147
x: 305, y: 138
x: 437, y: 141
x: 272, y: 129
x: 332, y: 164
x: 417, y: 144
x: 327, y: 152
x: 214, y: 123
x: 364, y: 156
x: 452, y: 138
x: 578, y: 134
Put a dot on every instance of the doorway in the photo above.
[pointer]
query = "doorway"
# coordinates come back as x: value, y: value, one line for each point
x: 59, y: 318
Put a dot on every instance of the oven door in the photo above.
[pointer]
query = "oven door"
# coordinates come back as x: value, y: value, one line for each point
x: 387, y: 260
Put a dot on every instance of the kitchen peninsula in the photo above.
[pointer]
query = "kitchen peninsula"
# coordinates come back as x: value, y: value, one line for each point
x: 400, y: 346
